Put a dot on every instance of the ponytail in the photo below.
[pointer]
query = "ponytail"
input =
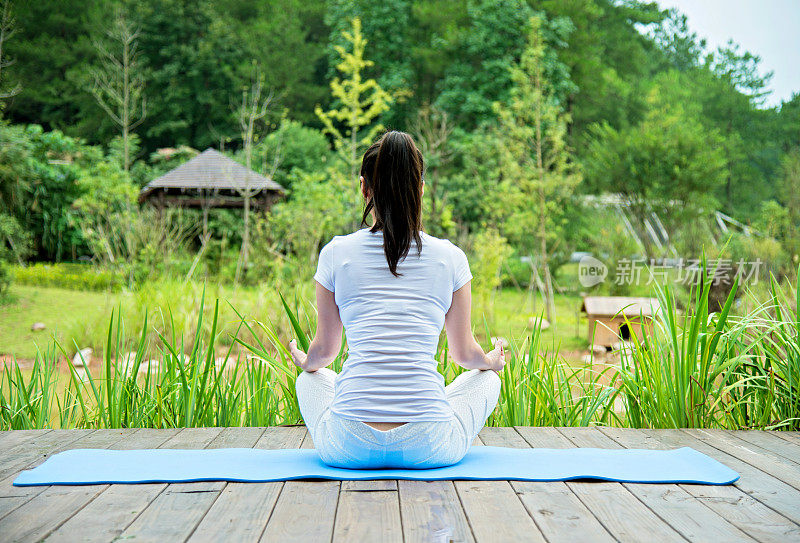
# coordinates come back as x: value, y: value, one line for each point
x: 392, y: 171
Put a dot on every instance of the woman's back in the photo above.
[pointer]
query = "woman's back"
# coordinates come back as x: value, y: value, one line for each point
x: 392, y: 325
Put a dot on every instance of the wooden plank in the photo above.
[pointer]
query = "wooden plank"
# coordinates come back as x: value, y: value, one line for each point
x: 171, y: 516
x: 305, y: 510
x: 771, y: 442
x: 431, y: 511
x: 558, y: 513
x: 20, y: 456
x: 12, y: 497
x: 369, y: 486
x: 368, y: 511
x: 682, y: 511
x: 619, y: 511
x: 194, y: 438
x: 777, y: 466
x: 47, y: 507
x: 731, y: 503
x: 186, y: 501
x: 791, y: 437
x: 765, y: 488
x: 237, y: 437
x: 105, y: 517
x: 368, y: 516
x: 241, y: 511
x: 494, y: 511
x: 12, y: 438
x: 43, y: 514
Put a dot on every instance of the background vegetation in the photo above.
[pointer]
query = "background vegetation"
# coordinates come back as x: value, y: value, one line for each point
x: 530, y: 115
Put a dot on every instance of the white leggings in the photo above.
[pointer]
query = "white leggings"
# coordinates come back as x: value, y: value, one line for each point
x: 353, y: 444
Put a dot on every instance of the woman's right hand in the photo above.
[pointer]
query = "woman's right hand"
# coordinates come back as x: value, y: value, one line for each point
x: 497, y: 356
x: 298, y: 357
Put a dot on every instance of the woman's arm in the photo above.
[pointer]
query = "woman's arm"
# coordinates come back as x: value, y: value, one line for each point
x: 327, y: 339
x: 464, y: 349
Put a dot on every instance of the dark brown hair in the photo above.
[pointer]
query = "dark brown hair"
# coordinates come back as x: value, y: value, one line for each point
x: 392, y: 171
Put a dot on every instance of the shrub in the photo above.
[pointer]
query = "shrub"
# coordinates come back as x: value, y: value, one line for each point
x: 69, y: 276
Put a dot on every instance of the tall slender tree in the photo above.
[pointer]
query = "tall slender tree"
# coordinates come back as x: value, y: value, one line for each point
x: 537, y: 169
x: 7, y: 31
x: 253, y: 109
x: 432, y: 130
x: 119, y: 81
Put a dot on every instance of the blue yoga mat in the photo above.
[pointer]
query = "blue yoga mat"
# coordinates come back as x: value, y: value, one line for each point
x: 95, y: 466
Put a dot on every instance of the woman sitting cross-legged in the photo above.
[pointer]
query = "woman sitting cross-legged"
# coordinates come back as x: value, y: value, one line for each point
x: 393, y: 287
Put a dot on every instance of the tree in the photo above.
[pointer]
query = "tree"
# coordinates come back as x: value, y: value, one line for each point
x: 302, y: 149
x: 52, y: 52
x: 360, y: 102
x: 253, y: 108
x: 387, y: 26
x: 15, y: 159
x: 731, y: 90
x: 489, y: 251
x: 790, y: 198
x: 480, y: 55
x: 19, y: 245
x: 314, y: 212
x: 607, y: 56
x: 669, y: 163
x: 680, y: 47
x: 432, y: 129
x: 290, y: 37
x: 789, y: 123
x: 353, y: 124
x: 7, y: 31
x: 537, y: 169
x: 119, y: 81
x: 195, y: 63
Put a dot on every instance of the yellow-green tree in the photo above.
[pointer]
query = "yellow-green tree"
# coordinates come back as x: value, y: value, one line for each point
x: 537, y: 170
x: 489, y: 251
x: 358, y: 101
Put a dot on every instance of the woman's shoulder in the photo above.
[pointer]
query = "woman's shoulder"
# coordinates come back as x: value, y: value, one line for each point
x: 344, y: 238
x: 441, y: 244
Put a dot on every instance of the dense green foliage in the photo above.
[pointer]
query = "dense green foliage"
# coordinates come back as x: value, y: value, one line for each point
x: 632, y: 104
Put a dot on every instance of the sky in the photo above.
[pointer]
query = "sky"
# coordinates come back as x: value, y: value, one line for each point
x: 767, y: 28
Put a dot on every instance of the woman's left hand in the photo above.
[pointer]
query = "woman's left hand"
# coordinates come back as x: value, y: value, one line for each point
x: 298, y: 356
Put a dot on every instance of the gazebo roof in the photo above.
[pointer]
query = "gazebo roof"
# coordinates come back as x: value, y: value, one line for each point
x: 210, y: 170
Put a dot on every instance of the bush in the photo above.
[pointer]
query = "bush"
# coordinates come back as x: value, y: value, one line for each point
x: 515, y: 273
x: 69, y: 276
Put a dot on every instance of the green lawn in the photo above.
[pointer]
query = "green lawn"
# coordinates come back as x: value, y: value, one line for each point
x: 67, y: 313
x: 83, y: 316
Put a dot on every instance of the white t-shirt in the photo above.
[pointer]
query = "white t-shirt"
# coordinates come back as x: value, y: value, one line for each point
x: 392, y: 325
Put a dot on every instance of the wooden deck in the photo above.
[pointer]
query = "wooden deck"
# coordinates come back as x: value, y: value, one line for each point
x: 764, y: 505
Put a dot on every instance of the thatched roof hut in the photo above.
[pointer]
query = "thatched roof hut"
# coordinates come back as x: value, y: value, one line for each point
x: 210, y: 179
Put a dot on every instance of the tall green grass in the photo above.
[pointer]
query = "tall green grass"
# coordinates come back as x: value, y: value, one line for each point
x: 769, y: 394
x: 693, y: 369
x: 539, y: 388
x: 681, y: 375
